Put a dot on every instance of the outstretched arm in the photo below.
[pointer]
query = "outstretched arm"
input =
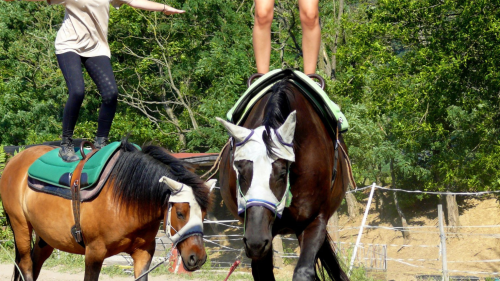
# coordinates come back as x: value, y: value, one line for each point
x: 154, y: 6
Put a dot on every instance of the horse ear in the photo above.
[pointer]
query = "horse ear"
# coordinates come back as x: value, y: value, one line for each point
x: 211, y: 183
x: 175, y: 186
x: 237, y: 132
x: 287, y: 130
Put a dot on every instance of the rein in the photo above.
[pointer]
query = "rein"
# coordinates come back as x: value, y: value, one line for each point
x: 216, y: 164
x: 167, y: 257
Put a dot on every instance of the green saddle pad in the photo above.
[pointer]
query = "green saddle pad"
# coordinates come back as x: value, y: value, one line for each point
x: 51, y: 169
x: 328, y: 110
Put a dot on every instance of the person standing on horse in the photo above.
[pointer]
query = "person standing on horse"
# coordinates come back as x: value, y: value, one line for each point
x: 311, y: 37
x: 83, y: 39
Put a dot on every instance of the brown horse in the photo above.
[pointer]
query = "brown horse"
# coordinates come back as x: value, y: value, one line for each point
x: 125, y: 217
x: 283, y: 141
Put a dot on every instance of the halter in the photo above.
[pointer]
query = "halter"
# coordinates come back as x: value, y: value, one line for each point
x: 182, y: 193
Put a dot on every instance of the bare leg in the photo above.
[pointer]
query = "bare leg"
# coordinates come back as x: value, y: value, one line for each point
x: 41, y: 252
x: 264, y: 11
x: 311, y: 34
x: 142, y: 260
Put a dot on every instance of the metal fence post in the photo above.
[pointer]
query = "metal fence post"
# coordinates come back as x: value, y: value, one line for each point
x: 278, y: 252
x: 443, y: 243
x: 361, y: 229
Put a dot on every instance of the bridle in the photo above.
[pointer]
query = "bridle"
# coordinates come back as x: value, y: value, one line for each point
x: 182, y: 193
x: 275, y: 207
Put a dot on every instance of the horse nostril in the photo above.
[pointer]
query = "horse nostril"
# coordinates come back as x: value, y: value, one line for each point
x: 192, y: 260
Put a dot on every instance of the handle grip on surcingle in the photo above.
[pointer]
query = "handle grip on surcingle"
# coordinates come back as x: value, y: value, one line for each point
x: 82, y: 144
x: 253, y: 77
x: 321, y: 80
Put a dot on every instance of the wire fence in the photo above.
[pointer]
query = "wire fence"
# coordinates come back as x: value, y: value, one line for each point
x: 224, y: 245
x: 458, y: 261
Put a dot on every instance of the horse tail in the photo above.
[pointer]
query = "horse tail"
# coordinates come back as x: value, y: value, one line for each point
x: 327, y: 262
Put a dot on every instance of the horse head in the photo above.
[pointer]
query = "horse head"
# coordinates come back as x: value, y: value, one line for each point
x: 184, y: 223
x: 261, y: 159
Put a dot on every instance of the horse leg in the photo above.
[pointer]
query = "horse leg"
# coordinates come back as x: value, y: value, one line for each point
x: 41, y: 252
x: 22, y: 237
x: 94, y: 257
x: 263, y: 269
x: 310, y: 240
x: 142, y: 260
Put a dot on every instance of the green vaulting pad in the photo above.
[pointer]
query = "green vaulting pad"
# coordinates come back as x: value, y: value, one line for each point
x: 51, y: 169
x: 327, y: 109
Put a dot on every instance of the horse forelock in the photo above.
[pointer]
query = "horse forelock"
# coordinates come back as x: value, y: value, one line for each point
x: 276, y: 111
x: 135, y: 179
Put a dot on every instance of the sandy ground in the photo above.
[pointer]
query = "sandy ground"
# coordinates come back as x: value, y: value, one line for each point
x: 466, y: 251
x: 54, y: 275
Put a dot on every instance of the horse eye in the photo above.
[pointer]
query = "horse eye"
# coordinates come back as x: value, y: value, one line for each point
x: 180, y: 215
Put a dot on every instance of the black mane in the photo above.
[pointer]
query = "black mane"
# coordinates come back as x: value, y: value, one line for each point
x: 276, y: 111
x: 135, y: 179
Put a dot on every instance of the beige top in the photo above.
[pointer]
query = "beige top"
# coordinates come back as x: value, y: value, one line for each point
x: 85, y: 27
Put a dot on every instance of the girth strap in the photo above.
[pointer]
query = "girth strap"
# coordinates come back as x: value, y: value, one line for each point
x: 336, y: 157
x: 76, y: 230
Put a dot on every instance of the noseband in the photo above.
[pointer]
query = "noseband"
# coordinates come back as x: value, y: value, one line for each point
x: 194, y: 226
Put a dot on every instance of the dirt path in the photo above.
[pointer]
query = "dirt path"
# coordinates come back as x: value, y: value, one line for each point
x: 466, y: 251
x: 53, y: 275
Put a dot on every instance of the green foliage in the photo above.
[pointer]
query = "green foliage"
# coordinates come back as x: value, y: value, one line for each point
x: 208, y: 264
x: 115, y: 270
x: 288, y: 261
x: 3, y: 159
x: 418, y: 81
x: 65, y: 262
x: 31, y: 85
x: 6, y: 235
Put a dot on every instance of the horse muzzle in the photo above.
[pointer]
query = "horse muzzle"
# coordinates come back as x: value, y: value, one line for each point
x: 194, y: 262
x: 258, y: 232
x: 193, y: 253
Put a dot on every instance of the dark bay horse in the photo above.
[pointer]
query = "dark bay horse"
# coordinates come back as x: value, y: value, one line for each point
x: 125, y: 217
x: 283, y: 140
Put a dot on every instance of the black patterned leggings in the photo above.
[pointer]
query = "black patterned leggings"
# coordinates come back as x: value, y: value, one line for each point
x: 99, y: 69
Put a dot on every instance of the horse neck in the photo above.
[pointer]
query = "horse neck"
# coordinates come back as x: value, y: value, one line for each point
x: 310, y: 127
x: 298, y: 103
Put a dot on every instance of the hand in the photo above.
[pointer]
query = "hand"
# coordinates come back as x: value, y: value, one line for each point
x: 171, y: 10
